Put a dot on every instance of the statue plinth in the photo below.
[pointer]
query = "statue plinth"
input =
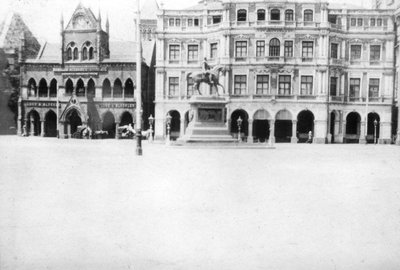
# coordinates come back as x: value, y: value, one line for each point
x: 207, y: 121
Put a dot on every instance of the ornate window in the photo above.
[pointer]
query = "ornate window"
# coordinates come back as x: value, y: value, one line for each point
x: 117, y: 89
x: 173, y: 86
x: 91, y: 55
x: 334, y: 50
x: 308, y: 15
x: 306, y: 86
x: 240, y: 84
x: 375, y: 53
x: 355, y: 52
x: 72, y: 51
x: 213, y: 50
x: 354, y: 88
x: 262, y: 87
x: 193, y: 52
x: 106, y: 89
x: 84, y: 53
x: 261, y: 15
x: 333, y: 86
x: 274, y: 47
x: 241, y: 49
x: 373, y: 88
x: 288, y: 48
x: 378, y: 22
x: 359, y: 22
x: 75, y: 55
x: 174, y: 51
x: 87, y: 51
x: 372, y: 22
x: 289, y: 15
x: 241, y: 15
x: 285, y: 84
x: 260, y: 48
x: 275, y: 14
x: 307, y: 49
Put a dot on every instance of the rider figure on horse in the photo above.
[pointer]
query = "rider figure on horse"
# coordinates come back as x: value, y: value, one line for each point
x: 206, y: 67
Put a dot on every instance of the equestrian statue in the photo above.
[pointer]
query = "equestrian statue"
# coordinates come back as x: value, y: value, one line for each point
x: 208, y: 76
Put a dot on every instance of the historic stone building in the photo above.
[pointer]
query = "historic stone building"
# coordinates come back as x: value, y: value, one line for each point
x: 290, y: 68
x: 85, y: 80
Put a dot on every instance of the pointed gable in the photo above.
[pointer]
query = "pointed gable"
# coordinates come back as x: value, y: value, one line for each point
x: 82, y: 18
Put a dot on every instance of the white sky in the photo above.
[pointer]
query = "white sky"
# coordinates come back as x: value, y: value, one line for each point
x: 43, y: 16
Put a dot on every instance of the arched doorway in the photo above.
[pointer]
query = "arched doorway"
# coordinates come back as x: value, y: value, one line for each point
x: 353, y: 120
x: 33, y: 123
x: 91, y: 89
x: 175, y: 128
x: 371, y: 127
x: 69, y: 87
x: 50, y: 124
x: 305, y: 124
x: 129, y: 88
x: 80, y: 88
x: 43, y: 88
x: 261, y: 126
x: 283, y: 126
x: 109, y: 124
x: 332, y: 124
x: 126, y: 119
x: 74, y: 120
x: 244, y: 128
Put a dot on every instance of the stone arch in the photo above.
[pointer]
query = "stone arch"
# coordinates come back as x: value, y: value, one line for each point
x: 53, y: 88
x: 261, y: 125
x: 283, y: 126
x: 175, y: 127
x: 32, y: 89
x: 244, y: 128
x: 129, y: 88
x: 106, y: 89
x: 33, y: 123
x: 126, y: 118
x: 305, y: 124
x: 74, y: 119
x: 353, y: 125
x: 373, y: 130
x: 43, y: 90
x: 117, y: 88
x: 109, y: 124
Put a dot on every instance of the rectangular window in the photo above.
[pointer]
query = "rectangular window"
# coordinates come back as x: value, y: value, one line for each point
x: 359, y: 22
x: 355, y: 52
x: 213, y: 50
x: 284, y: 85
x: 373, y: 88
x: 307, y: 49
x: 306, y: 87
x: 289, y: 15
x: 216, y: 19
x: 177, y: 22
x: 190, y: 22
x: 173, y: 86
x: 379, y: 22
x: 260, y: 48
x: 353, y: 22
x: 288, y: 48
x: 241, y: 48
x: 174, y: 52
x: 240, y: 84
x: 334, y: 50
x: 354, y: 88
x: 196, y: 22
x: 262, y: 85
x: 372, y: 22
x: 333, y: 86
x: 193, y: 52
x: 171, y: 22
x: 190, y: 87
x: 375, y: 53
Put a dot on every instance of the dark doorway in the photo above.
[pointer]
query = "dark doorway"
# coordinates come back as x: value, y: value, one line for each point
x: 261, y: 126
x: 244, y: 127
x: 371, y: 127
x: 353, y: 120
x: 305, y: 124
x: 74, y: 121
x: 109, y: 124
x: 50, y: 126
x: 332, y: 126
x: 175, y: 125
x: 126, y: 119
x: 283, y: 126
x: 33, y: 123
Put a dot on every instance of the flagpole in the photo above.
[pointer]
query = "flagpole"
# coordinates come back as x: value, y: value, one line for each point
x: 58, y: 113
x: 139, y: 150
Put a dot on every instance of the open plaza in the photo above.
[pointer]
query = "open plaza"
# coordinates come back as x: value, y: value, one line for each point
x: 94, y: 204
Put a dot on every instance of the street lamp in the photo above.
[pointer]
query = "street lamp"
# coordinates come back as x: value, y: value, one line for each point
x: 151, y: 122
x: 375, y: 124
x: 169, y: 118
x: 239, y: 123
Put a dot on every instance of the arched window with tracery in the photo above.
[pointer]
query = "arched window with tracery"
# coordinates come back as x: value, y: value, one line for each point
x: 71, y: 51
x: 84, y: 53
x: 75, y: 56
x: 274, y: 47
x: 106, y: 88
x: 87, y: 51
x: 117, y: 88
x: 91, y: 53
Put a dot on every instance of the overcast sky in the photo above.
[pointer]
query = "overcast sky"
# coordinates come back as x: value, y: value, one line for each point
x: 43, y: 16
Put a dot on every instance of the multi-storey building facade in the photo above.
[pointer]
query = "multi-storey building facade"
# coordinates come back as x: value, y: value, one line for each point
x: 290, y: 68
x: 86, y: 80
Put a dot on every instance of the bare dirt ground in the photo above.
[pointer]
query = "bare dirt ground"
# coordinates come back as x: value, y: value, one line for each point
x: 79, y: 204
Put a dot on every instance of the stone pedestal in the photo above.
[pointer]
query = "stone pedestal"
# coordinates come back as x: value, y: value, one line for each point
x: 207, y: 121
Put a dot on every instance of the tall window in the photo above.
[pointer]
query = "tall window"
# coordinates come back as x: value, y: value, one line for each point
x: 84, y: 53
x: 69, y: 54
x: 240, y: 84
x: 174, y: 52
x: 333, y: 86
x: 177, y: 22
x: 275, y: 15
x: 75, y: 54
x: 306, y: 85
x: 334, y: 50
x: 354, y: 88
x: 274, y: 47
x: 213, y: 50
x: 171, y: 22
x: 261, y: 15
x: 359, y: 22
x: 284, y: 85
x: 378, y: 22
x: 288, y: 48
x: 91, y: 53
x: 190, y: 87
x: 307, y: 49
x: 241, y: 15
x: 190, y: 22
x: 372, y: 22
x: 308, y: 15
x: 241, y: 48
x: 262, y: 87
x: 353, y: 22
x: 355, y: 52
x: 373, y: 88
x: 173, y: 89
x: 375, y: 52
x: 193, y: 52
x: 260, y: 48
x: 289, y: 15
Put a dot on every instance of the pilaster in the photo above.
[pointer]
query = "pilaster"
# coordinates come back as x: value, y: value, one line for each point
x: 294, y: 129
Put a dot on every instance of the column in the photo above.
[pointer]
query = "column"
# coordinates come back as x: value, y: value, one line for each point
x: 294, y: 129
x: 363, y: 134
x: 344, y: 130
x: 19, y: 128
x: 182, y: 127
x: 271, y: 138
x: 32, y: 129
x: 68, y: 130
x: 42, y: 132
x: 116, y: 130
x: 250, y: 136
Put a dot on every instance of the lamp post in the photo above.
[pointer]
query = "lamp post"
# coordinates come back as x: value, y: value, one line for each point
x: 139, y: 150
x: 239, y: 123
x: 169, y: 118
x: 151, y: 122
x: 375, y: 124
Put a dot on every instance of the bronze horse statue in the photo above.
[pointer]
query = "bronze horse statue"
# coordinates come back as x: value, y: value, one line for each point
x: 212, y: 80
